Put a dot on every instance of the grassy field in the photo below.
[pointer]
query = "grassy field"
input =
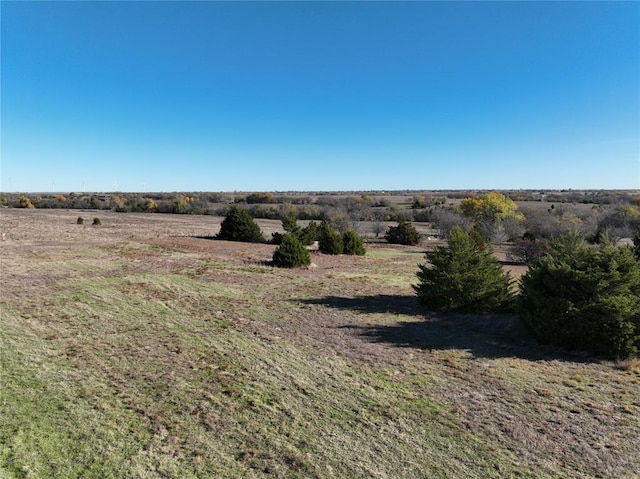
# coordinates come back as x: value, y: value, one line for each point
x: 136, y: 350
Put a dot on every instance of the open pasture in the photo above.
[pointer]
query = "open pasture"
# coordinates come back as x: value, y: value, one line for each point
x: 139, y: 349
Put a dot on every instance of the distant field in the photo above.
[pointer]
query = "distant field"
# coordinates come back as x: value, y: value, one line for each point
x: 135, y: 349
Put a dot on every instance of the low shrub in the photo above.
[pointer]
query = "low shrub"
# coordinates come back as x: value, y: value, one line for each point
x: 24, y: 202
x: 291, y: 253
x: 239, y: 225
x: 329, y: 241
x: 405, y: 233
x: 96, y: 221
x: 80, y: 220
x: 352, y: 244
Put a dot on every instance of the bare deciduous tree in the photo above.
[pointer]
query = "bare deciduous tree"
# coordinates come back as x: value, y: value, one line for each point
x: 445, y: 219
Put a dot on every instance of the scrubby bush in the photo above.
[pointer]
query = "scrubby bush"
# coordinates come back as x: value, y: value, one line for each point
x: 464, y: 277
x: 418, y: 202
x: 352, y: 244
x: 404, y: 233
x: 259, y: 198
x: 96, y: 221
x: 150, y: 205
x: 291, y: 253
x: 622, y: 222
x: 80, y: 220
x: 24, y: 202
x: 238, y: 225
x: 329, y: 241
x: 584, y: 297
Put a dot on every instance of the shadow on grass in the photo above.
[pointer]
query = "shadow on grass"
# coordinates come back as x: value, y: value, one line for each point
x: 215, y: 237
x: 487, y: 336
x: 381, y: 303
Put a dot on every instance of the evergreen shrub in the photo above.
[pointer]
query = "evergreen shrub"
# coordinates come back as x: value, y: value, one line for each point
x: 584, y: 297
x: 405, y: 233
x: 310, y: 233
x: 329, y: 240
x: 306, y: 235
x: 291, y: 253
x: 276, y: 237
x: 352, y: 244
x: 464, y: 277
x: 239, y: 225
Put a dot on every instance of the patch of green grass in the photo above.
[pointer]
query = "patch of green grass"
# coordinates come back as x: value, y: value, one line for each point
x: 47, y: 428
x: 70, y: 260
x: 129, y: 377
x: 383, y: 279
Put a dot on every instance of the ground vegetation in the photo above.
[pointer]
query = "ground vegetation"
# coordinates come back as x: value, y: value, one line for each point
x: 143, y: 349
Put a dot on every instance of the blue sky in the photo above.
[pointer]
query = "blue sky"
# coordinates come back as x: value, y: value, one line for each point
x: 265, y: 96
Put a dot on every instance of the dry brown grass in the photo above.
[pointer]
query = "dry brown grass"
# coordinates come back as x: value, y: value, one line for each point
x: 134, y: 349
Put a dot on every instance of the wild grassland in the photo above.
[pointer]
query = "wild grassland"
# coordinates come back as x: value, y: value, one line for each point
x: 144, y: 355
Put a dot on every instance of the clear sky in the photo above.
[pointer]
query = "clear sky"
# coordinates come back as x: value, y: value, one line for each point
x: 265, y: 96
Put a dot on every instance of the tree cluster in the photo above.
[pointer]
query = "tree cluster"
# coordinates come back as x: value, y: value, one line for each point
x: 292, y: 252
x: 330, y: 241
x: 575, y: 295
x: 306, y: 235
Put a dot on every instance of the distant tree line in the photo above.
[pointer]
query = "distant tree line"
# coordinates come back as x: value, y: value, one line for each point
x: 495, y: 215
x: 499, y: 220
